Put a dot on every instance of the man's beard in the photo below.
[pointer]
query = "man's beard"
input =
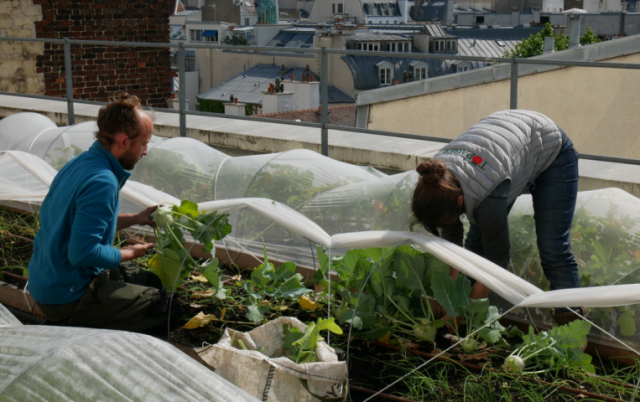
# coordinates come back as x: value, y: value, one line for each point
x: 128, y: 161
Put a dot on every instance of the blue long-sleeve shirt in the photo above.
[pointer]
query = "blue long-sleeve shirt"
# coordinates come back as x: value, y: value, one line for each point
x: 78, y: 223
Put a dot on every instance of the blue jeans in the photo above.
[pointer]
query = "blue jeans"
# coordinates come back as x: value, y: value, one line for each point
x: 554, y: 194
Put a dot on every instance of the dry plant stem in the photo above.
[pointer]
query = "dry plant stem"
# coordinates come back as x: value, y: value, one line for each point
x: 16, y: 236
x: 14, y: 276
x: 481, y: 368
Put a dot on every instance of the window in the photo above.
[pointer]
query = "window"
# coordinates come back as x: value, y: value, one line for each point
x: 196, y: 35
x: 544, y: 19
x: 479, y: 19
x: 438, y: 46
x: 333, y: 8
x: 246, y: 22
x: 420, y: 73
x: 385, y: 76
x: 463, y: 68
x: 406, y: 47
x: 340, y: 9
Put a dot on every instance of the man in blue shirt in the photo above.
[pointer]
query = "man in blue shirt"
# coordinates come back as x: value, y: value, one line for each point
x: 76, y: 275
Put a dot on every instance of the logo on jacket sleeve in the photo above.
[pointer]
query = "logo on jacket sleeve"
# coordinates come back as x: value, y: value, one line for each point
x: 474, y: 159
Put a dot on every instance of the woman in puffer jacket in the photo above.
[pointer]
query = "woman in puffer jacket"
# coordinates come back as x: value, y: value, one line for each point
x: 483, y: 171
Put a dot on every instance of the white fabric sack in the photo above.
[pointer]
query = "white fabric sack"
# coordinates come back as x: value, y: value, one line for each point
x: 276, y: 379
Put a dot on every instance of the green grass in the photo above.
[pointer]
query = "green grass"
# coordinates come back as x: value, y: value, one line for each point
x: 17, y: 232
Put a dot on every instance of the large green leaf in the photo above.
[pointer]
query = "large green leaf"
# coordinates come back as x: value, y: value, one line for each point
x: 292, y: 288
x: 361, y: 320
x: 211, y: 272
x: 627, y: 324
x: 572, y: 335
x: 167, y: 268
x: 346, y: 266
x: 189, y: 208
x: 255, y: 313
x: 291, y: 336
x: 452, y: 294
x: 409, y: 267
x: 478, y: 306
x: 284, y: 271
x: 433, y: 265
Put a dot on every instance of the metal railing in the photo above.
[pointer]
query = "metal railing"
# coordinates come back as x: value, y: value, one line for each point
x: 324, y: 53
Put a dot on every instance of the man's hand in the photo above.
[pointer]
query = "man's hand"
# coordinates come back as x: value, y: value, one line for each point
x: 135, y: 251
x: 144, y: 217
x: 141, y: 218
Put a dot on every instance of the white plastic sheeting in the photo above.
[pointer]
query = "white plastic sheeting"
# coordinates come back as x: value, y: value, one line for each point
x: 7, y: 319
x: 79, y: 364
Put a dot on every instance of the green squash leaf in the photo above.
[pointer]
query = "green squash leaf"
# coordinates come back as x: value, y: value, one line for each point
x: 627, y: 324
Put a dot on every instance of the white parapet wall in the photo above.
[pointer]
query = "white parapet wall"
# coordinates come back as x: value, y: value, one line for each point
x: 399, y: 154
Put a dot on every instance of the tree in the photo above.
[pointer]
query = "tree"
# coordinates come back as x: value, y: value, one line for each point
x: 534, y: 46
x: 589, y: 37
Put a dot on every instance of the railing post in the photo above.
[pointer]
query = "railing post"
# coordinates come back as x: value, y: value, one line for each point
x: 182, y: 86
x: 514, y: 83
x: 69, y: 81
x: 324, y: 102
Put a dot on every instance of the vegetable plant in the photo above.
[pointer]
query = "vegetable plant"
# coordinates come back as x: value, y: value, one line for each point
x: 453, y: 295
x: 302, y: 345
x: 551, y: 350
x: 266, y: 280
x: 395, y: 299
x: 172, y: 262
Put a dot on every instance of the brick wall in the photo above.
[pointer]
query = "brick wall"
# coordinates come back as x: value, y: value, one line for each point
x: 18, y: 59
x: 101, y: 71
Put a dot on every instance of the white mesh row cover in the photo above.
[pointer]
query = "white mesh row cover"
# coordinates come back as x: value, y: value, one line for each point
x: 293, y: 199
x: 7, y: 319
x: 509, y: 286
x: 48, y: 364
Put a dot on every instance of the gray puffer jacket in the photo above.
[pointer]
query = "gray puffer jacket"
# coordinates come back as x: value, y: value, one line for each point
x: 515, y: 145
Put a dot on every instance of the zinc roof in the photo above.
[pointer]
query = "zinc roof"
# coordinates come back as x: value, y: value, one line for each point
x: 248, y: 85
x: 365, y: 75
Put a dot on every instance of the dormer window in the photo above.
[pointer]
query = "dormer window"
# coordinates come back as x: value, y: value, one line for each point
x: 420, y: 70
x: 371, y: 46
x: 398, y: 47
x: 438, y: 46
x: 461, y: 66
x: 452, y: 46
x: 385, y: 73
x: 385, y: 76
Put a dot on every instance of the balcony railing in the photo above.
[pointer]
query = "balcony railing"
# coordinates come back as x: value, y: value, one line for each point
x: 324, y: 53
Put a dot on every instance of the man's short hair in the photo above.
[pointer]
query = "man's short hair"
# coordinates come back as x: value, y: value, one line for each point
x: 119, y: 116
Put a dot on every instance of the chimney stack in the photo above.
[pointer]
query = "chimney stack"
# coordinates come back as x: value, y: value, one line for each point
x: 549, y: 45
x: 574, y: 26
